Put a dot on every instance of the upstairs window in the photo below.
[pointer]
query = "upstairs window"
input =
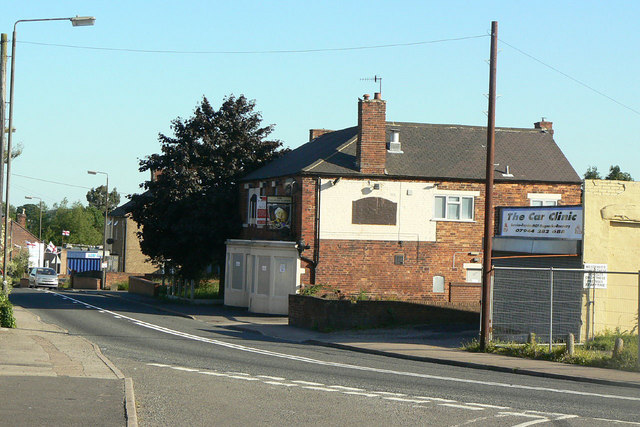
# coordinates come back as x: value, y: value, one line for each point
x: 544, y: 199
x: 454, y: 208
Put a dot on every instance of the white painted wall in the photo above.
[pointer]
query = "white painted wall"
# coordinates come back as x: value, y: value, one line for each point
x: 414, y: 215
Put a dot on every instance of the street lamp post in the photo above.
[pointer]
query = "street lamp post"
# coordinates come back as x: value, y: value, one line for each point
x: 77, y: 21
x: 104, y: 237
x: 40, y: 230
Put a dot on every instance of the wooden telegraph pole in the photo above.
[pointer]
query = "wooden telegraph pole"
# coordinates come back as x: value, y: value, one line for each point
x: 485, y: 328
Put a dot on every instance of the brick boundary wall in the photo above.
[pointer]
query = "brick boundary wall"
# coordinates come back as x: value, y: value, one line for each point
x: 80, y: 282
x: 323, y: 314
x: 142, y: 286
x: 115, y: 277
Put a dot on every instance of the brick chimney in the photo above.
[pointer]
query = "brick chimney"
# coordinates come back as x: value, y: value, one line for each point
x: 315, y: 133
x: 544, y: 125
x: 22, y: 218
x: 371, y: 150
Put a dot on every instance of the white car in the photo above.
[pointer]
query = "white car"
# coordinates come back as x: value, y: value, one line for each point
x: 45, y: 277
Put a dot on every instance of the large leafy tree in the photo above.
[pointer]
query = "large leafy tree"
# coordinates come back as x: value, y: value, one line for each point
x: 191, y: 208
x: 96, y: 197
x: 84, y: 223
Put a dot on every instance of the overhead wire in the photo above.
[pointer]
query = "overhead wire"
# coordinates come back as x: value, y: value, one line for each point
x: 253, y: 52
x: 51, y: 182
x: 570, y: 77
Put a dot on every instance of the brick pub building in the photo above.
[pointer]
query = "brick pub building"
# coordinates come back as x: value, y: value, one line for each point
x: 390, y: 209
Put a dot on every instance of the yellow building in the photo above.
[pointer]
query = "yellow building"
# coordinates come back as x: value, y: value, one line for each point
x: 611, y: 242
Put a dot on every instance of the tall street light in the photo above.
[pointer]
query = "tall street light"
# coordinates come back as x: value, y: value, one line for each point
x: 77, y: 21
x: 104, y: 237
x: 34, y: 197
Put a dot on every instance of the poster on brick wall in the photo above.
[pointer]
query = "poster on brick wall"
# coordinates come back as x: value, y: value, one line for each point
x: 279, y: 212
x: 262, y: 211
x: 547, y: 222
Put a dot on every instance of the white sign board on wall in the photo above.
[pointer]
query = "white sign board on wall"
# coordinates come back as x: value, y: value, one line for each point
x: 597, y: 279
x: 548, y: 222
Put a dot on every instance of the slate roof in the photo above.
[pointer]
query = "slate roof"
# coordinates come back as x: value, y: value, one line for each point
x: 122, y: 210
x: 432, y: 151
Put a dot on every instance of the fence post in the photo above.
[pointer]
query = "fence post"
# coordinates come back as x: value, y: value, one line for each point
x: 550, y: 308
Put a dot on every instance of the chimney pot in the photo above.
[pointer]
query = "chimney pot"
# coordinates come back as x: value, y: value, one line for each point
x: 366, y: 96
x: 377, y: 95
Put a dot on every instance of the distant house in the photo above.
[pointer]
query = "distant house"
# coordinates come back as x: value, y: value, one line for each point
x: 19, y: 237
x: 387, y: 209
x: 126, y: 244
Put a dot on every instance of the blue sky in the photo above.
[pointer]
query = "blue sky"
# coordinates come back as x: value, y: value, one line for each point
x: 100, y: 105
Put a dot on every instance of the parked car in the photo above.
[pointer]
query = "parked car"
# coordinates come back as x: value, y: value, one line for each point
x: 45, y: 277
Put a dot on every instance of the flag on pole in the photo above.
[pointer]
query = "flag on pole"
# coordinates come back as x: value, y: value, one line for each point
x: 65, y: 232
x: 52, y: 248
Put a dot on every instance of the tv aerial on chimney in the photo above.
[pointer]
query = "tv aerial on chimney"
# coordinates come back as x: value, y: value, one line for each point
x: 376, y: 79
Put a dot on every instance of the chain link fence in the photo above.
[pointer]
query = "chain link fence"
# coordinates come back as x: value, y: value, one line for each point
x: 553, y: 302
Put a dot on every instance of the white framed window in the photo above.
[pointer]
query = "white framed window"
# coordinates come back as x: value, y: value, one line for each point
x: 474, y: 272
x: 542, y: 199
x: 454, y: 207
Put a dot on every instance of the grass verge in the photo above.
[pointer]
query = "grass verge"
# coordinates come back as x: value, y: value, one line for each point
x: 597, y: 352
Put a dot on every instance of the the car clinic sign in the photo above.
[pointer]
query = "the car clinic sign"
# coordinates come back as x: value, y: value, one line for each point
x: 549, y: 222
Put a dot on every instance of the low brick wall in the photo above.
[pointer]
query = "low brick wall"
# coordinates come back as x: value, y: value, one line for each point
x: 323, y: 314
x: 85, y: 283
x: 463, y: 292
x: 142, y: 286
x: 113, y: 278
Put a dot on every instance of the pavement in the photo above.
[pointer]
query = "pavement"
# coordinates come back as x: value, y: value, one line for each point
x: 49, y: 377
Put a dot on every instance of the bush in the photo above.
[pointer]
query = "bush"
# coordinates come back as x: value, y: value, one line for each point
x: 6, y: 313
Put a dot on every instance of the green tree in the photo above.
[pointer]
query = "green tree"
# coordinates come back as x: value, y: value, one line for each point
x: 85, y: 224
x: 616, y: 174
x: 191, y: 209
x: 95, y: 197
x: 592, y: 173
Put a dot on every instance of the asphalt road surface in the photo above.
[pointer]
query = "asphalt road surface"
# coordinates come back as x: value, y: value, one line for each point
x: 187, y: 372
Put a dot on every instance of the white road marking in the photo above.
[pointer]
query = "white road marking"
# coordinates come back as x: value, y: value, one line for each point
x: 537, y: 416
x: 215, y: 374
x: 388, y: 393
x: 618, y: 421
x: 361, y: 393
x: 454, y: 405
x: 354, y: 367
x: 279, y: 383
x: 271, y: 378
x: 180, y: 368
x: 484, y: 405
x: 307, y: 383
x: 310, y: 387
x: 339, y: 387
x: 402, y: 399
x: 533, y: 422
x: 240, y: 377
x: 437, y: 399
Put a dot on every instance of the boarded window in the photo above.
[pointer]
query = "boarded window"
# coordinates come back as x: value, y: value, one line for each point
x: 374, y: 211
x: 438, y: 284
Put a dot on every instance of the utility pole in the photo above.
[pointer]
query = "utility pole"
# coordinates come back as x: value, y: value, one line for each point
x: 485, y: 328
x: 3, y: 121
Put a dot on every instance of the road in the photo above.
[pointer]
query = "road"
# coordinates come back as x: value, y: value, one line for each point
x: 188, y: 372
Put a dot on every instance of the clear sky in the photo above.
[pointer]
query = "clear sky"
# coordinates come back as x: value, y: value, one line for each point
x: 97, y: 97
